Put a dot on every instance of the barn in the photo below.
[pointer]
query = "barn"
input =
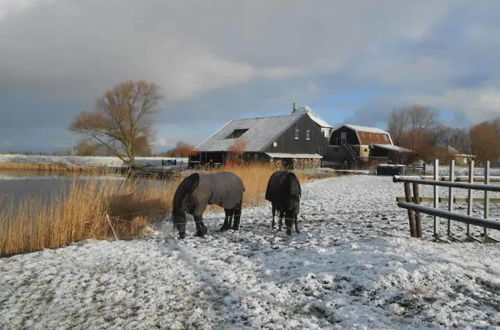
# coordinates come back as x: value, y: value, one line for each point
x: 296, y: 140
x: 361, y: 144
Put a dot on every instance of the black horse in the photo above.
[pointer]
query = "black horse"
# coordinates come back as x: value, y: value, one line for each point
x: 200, y: 189
x: 283, y: 191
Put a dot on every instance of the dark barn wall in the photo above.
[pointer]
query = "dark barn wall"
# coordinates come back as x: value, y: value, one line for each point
x: 288, y: 144
x: 352, y: 138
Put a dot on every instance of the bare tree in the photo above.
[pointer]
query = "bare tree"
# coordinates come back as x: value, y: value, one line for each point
x: 413, y: 118
x: 122, y: 121
x: 182, y: 149
x: 485, y: 142
x: 457, y: 138
x: 421, y: 118
x: 236, y: 151
x: 421, y: 142
x: 398, y: 125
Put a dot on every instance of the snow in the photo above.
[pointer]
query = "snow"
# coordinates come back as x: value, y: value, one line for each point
x: 313, y: 115
x: 87, y: 161
x: 366, y: 129
x: 354, y: 265
x: 260, y: 132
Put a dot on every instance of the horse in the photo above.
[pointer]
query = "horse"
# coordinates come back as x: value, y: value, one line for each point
x: 198, y: 190
x: 283, y: 191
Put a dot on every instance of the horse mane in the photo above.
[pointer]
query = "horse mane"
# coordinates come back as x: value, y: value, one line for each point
x: 186, y: 187
x: 292, y: 183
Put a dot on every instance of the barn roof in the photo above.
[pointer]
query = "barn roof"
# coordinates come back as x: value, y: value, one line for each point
x: 366, y: 129
x: 370, y: 135
x: 257, y: 132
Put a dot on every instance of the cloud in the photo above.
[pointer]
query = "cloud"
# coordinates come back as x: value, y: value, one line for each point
x: 216, y: 60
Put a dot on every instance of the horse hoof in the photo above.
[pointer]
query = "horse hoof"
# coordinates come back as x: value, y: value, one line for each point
x: 223, y: 228
x: 235, y: 228
x: 182, y: 235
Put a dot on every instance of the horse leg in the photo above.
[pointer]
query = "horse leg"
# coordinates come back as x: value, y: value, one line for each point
x: 237, y: 216
x: 182, y: 231
x: 296, y: 225
x: 180, y: 224
x: 274, y: 211
x: 282, y: 214
x: 201, y: 229
x: 227, y: 220
x: 231, y: 218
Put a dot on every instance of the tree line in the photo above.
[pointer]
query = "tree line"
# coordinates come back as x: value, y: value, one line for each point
x: 417, y: 128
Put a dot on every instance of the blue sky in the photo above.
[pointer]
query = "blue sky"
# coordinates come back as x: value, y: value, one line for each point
x: 219, y: 60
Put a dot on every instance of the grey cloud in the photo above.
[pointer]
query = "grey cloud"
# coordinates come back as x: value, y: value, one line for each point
x: 216, y: 60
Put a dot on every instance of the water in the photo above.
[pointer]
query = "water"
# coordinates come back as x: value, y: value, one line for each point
x: 18, y: 185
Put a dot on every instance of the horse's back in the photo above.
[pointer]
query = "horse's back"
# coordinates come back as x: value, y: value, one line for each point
x: 222, y: 188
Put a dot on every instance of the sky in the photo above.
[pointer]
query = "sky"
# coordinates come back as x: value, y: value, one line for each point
x: 350, y: 61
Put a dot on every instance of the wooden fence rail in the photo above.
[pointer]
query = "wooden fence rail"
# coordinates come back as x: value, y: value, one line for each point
x: 412, y: 200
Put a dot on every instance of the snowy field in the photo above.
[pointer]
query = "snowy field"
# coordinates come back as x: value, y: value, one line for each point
x: 88, y: 161
x: 353, y: 266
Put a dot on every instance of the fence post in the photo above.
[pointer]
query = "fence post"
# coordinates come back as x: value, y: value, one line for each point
x: 486, y: 200
x: 416, y: 200
x: 411, y: 214
x: 469, y: 193
x: 436, y: 193
x: 450, y: 193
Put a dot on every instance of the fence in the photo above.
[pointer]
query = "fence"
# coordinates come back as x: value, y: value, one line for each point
x: 412, y: 202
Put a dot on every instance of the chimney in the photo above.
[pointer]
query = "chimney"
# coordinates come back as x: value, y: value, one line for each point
x: 294, y: 107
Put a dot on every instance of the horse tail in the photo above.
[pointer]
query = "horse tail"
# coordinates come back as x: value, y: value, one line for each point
x: 185, y: 188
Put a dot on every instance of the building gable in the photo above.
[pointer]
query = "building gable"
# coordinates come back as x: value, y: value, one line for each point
x: 303, y: 136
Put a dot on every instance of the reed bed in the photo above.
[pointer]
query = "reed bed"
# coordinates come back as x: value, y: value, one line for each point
x: 52, y: 167
x: 104, y: 210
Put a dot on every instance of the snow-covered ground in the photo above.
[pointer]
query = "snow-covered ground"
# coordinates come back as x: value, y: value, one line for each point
x: 90, y: 161
x: 353, y: 266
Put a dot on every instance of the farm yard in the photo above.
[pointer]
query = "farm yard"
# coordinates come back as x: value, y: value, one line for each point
x: 354, y: 265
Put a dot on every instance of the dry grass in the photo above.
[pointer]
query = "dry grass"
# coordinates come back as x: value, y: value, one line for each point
x: 83, y: 212
x: 52, y: 167
x: 255, y: 178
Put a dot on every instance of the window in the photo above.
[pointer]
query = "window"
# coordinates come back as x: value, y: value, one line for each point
x: 326, y: 132
x: 237, y: 133
x: 297, y: 131
x: 275, y: 144
x: 386, y: 138
x: 308, y: 134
